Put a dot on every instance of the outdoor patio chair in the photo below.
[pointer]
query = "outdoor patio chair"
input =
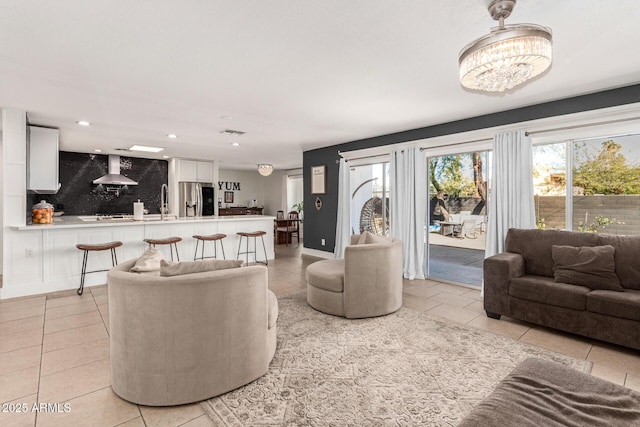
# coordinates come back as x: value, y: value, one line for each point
x: 467, y: 229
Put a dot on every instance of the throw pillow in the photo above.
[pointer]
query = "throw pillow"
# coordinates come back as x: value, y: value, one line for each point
x: 149, y: 261
x: 374, y: 238
x: 590, y: 266
x: 190, y: 267
x: 367, y: 237
x: 363, y: 238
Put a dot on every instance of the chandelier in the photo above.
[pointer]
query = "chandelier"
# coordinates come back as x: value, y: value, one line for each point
x: 265, y: 169
x: 508, y: 56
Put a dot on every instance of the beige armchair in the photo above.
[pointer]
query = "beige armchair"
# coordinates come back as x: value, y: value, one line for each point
x: 366, y: 283
x: 182, y: 339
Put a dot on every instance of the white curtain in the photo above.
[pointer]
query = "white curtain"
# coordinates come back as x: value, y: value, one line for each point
x: 408, y: 201
x: 511, y: 202
x: 343, y: 223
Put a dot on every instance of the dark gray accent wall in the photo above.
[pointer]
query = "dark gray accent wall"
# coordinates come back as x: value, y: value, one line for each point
x: 322, y: 224
x: 79, y: 196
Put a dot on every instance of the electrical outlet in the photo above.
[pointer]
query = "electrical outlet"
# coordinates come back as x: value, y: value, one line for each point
x: 322, y: 242
x: 28, y: 253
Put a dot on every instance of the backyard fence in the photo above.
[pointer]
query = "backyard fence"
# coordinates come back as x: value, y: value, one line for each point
x: 625, y: 209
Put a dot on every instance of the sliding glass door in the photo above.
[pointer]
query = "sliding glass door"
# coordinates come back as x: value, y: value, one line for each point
x: 457, y: 213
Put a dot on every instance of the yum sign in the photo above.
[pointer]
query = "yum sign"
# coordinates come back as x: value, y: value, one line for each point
x: 228, y: 186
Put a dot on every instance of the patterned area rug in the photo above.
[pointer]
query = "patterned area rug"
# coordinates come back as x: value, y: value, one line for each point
x: 404, y: 369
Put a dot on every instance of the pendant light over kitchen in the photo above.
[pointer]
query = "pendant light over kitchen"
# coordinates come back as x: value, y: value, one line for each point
x: 265, y: 169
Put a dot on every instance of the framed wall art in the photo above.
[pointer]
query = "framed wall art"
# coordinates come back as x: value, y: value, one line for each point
x: 318, y: 179
x: 228, y: 196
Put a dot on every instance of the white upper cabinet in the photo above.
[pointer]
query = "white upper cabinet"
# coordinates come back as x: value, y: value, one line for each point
x: 194, y: 171
x: 204, y: 171
x: 42, y: 176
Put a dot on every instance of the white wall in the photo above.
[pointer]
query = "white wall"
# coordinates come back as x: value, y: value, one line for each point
x: 273, y: 195
x: 1, y: 192
x: 251, y: 187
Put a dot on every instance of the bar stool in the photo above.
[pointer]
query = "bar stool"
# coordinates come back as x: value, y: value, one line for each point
x: 212, y: 238
x: 255, y: 235
x: 98, y: 247
x: 168, y: 241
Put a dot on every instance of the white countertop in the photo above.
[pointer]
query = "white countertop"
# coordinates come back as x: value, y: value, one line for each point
x: 75, y: 221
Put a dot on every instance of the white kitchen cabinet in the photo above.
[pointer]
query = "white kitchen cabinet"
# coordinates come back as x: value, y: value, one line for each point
x: 204, y: 172
x: 43, y: 160
x: 194, y: 171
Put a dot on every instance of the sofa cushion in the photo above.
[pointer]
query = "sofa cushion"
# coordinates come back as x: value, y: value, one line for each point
x: 148, y: 261
x: 190, y: 267
x: 272, y: 308
x: 593, y: 267
x: 327, y: 275
x: 627, y: 256
x: 535, y: 246
x: 545, y: 291
x: 625, y: 305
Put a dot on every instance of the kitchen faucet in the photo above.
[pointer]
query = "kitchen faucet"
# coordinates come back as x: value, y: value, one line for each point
x: 163, y: 201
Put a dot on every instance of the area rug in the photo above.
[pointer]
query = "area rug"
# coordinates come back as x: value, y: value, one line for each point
x: 404, y: 369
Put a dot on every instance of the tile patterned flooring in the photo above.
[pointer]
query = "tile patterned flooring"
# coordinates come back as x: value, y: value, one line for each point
x: 54, y: 348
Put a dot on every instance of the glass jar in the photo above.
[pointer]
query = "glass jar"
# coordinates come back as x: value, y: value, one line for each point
x: 42, y: 213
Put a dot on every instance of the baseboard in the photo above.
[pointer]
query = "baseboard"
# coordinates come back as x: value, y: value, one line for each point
x: 317, y: 253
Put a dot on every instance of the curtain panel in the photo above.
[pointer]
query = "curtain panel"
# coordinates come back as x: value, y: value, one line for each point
x: 343, y: 220
x: 408, y: 201
x: 511, y: 203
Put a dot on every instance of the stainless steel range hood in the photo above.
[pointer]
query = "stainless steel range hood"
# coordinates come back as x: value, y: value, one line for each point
x: 114, y: 177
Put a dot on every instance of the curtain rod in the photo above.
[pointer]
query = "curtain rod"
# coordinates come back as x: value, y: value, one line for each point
x: 457, y: 143
x: 608, y: 122
x: 359, y: 158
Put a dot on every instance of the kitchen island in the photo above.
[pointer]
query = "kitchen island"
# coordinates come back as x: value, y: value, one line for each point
x: 42, y: 258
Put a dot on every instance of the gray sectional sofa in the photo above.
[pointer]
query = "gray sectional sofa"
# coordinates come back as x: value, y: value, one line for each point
x: 520, y: 283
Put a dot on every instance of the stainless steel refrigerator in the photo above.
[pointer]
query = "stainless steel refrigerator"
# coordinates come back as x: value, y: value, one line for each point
x: 196, y: 199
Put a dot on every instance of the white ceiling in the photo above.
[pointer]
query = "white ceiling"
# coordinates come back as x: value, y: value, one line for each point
x: 294, y: 75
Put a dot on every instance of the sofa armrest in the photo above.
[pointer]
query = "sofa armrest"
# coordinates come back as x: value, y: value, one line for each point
x: 498, y: 271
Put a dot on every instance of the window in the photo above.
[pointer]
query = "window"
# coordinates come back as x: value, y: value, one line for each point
x: 606, y: 185
x: 604, y: 177
x: 370, y: 198
x: 550, y: 184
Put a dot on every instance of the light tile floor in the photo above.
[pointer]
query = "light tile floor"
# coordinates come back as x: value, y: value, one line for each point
x: 54, y: 348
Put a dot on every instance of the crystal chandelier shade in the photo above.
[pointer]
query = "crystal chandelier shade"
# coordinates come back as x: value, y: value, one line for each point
x: 265, y: 169
x: 507, y: 57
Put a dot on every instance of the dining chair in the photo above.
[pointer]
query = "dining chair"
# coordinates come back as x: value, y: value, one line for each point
x: 288, y: 228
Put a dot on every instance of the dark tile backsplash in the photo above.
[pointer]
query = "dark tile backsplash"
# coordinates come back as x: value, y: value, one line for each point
x: 79, y: 196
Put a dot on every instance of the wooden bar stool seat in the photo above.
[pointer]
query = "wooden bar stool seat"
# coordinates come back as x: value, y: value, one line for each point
x: 171, y: 241
x: 211, y: 238
x: 86, y: 247
x: 255, y: 235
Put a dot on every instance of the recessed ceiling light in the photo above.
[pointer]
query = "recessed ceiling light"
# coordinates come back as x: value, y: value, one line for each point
x: 97, y: 150
x: 235, y: 144
x: 165, y: 157
x: 145, y: 148
x: 172, y: 136
x: 83, y: 123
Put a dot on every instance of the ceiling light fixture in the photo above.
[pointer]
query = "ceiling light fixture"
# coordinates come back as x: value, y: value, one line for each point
x: 508, y: 56
x: 235, y: 144
x: 83, y: 123
x: 145, y: 148
x: 265, y: 169
x: 97, y: 150
x: 172, y: 136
